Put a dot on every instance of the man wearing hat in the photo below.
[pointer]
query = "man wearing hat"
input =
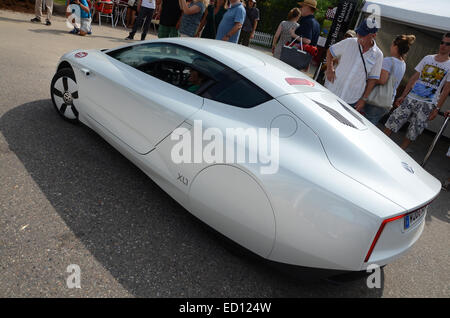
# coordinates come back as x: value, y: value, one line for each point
x: 309, y: 28
x: 350, y: 34
x: 359, y: 68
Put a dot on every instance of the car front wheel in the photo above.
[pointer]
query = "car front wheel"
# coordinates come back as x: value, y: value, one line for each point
x: 64, y: 92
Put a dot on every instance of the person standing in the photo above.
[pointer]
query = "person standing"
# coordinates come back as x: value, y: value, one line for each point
x: 131, y: 14
x: 250, y: 23
x: 169, y: 14
x: 309, y: 28
x: 192, y: 15
x: 422, y: 99
x: 145, y: 10
x: 211, y: 19
x: 283, y: 34
x: 232, y: 21
x: 359, y: 67
x: 395, y: 66
x: 38, y: 11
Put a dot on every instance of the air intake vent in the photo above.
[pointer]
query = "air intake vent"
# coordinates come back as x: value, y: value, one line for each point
x: 351, y: 113
x: 336, y: 115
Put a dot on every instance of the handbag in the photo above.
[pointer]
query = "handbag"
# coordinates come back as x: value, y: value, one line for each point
x: 381, y: 95
x: 299, y: 59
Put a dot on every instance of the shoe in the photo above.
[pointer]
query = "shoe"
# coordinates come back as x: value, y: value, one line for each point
x: 47, y: 22
x: 75, y: 31
x: 89, y: 33
x: 35, y: 20
x: 445, y: 185
x: 129, y: 38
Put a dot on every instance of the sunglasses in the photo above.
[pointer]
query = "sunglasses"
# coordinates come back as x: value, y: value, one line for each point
x: 446, y: 43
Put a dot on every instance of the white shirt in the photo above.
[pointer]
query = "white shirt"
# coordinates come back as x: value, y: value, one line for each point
x: 433, y: 76
x: 396, y: 68
x: 151, y: 4
x: 350, y: 81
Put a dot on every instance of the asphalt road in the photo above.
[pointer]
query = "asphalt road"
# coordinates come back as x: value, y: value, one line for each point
x: 67, y: 197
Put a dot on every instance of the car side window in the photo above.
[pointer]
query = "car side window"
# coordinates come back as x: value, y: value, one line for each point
x: 192, y: 71
x: 234, y: 89
x: 136, y: 55
x: 174, y: 64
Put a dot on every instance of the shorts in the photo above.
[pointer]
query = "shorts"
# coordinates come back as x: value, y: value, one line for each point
x: 85, y: 25
x: 414, y: 111
x: 167, y: 32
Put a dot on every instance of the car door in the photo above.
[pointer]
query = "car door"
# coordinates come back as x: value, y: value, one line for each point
x: 133, y: 105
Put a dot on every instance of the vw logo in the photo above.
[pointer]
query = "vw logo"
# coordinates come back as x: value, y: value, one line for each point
x: 407, y: 167
x: 67, y: 98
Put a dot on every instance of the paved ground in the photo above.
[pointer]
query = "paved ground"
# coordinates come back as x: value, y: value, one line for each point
x: 67, y: 197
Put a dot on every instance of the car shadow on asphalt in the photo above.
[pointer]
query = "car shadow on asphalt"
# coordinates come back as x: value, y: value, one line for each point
x: 16, y: 20
x: 149, y: 243
x: 66, y: 33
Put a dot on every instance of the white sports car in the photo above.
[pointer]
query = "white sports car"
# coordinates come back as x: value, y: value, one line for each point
x: 333, y: 193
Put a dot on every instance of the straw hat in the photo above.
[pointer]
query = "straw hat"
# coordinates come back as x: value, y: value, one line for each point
x: 309, y: 3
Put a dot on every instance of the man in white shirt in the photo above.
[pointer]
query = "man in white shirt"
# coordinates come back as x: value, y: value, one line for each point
x: 359, y: 68
x: 145, y: 10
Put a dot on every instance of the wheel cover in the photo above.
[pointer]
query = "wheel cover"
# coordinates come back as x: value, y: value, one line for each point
x: 65, y: 94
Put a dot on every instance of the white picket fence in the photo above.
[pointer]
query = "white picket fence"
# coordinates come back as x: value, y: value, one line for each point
x: 261, y: 38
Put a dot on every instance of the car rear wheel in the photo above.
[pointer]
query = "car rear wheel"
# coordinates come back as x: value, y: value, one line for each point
x: 64, y: 92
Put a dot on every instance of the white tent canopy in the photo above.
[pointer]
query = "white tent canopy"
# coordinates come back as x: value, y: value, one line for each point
x: 431, y: 14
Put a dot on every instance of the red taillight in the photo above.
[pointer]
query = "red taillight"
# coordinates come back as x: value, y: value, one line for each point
x: 299, y: 81
x: 379, y: 234
x: 382, y: 227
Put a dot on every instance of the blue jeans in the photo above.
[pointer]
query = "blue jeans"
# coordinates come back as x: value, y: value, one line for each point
x: 374, y: 113
x: 144, y: 13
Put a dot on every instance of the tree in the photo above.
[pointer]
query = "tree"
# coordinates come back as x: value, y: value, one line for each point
x: 17, y: 4
x: 272, y: 12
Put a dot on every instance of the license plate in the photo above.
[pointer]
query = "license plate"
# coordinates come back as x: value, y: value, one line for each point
x: 413, y: 218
